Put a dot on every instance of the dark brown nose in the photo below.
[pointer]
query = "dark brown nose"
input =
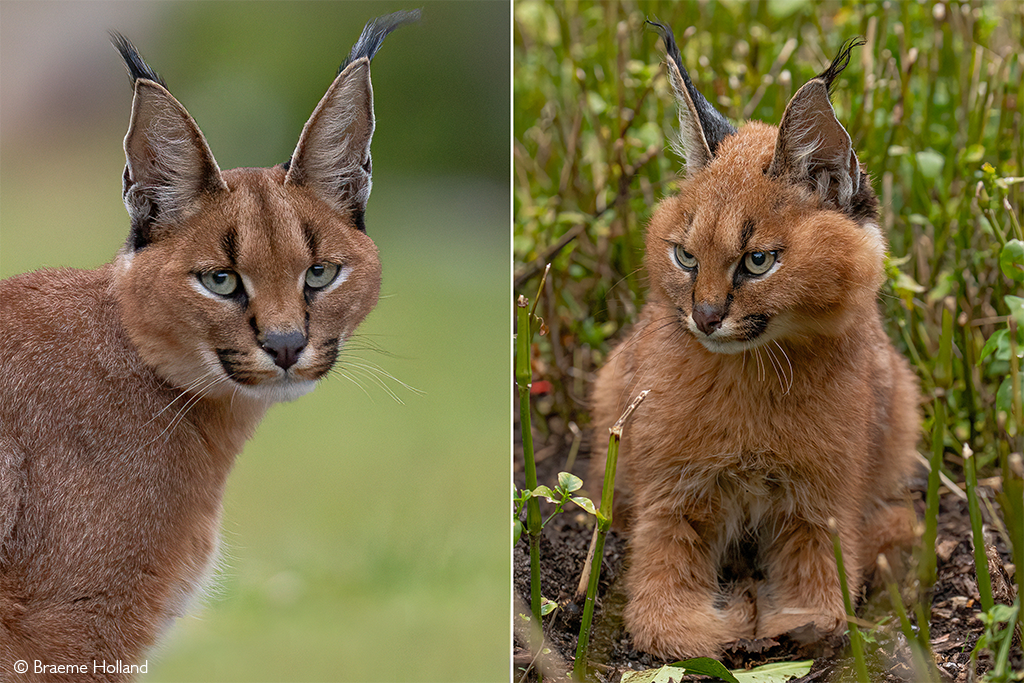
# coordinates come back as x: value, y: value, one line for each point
x: 284, y: 347
x: 708, y: 317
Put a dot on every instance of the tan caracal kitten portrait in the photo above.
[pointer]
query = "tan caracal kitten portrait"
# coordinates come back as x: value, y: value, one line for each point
x: 126, y: 392
x: 776, y: 400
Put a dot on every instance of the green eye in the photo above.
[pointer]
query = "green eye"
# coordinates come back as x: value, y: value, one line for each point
x: 221, y: 282
x: 321, y: 275
x: 759, y: 262
x: 684, y: 259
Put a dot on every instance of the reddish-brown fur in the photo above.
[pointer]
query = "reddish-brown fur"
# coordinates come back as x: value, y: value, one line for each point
x: 732, y: 466
x: 126, y: 392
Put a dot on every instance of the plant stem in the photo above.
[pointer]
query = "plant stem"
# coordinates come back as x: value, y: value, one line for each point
x: 927, y: 561
x: 533, y: 524
x: 920, y: 651
x: 980, y: 556
x: 604, y: 522
x: 856, y: 644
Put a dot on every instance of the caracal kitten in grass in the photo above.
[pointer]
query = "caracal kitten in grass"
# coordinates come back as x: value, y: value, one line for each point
x: 776, y: 400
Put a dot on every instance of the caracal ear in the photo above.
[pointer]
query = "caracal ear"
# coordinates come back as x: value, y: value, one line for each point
x: 813, y: 147
x: 701, y: 126
x: 333, y: 155
x: 168, y: 165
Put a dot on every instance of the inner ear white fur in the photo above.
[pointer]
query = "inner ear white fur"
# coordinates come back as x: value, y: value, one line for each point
x: 332, y: 157
x: 814, y: 148
x: 691, y: 143
x: 168, y: 163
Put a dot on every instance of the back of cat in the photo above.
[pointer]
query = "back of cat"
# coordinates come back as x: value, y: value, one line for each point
x: 776, y: 400
x: 126, y: 392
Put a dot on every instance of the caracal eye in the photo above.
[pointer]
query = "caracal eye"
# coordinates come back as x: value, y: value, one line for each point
x: 759, y: 262
x: 684, y: 259
x: 321, y: 275
x: 222, y: 282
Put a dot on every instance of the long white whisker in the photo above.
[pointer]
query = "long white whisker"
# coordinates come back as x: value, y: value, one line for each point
x: 374, y: 368
x: 792, y: 374
x: 355, y: 381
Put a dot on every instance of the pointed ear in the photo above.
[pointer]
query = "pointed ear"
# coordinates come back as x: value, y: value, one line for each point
x: 333, y: 155
x: 701, y: 126
x: 813, y: 147
x: 168, y: 165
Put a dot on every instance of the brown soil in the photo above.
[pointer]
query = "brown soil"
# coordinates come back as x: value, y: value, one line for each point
x: 955, y: 626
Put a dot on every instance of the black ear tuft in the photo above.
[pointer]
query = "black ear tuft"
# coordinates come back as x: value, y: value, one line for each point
x: 715, y: 126
x: 841, y: 61
x: 137, y: 68
x: 374, y: 33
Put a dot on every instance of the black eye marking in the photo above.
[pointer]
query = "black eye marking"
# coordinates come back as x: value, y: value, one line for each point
x: 746, y: 234
x: 312, y: 243
x: 229, y: 243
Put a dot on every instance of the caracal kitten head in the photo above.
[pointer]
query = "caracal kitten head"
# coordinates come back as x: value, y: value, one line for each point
x: 773, y: 234
x: 247, y: 282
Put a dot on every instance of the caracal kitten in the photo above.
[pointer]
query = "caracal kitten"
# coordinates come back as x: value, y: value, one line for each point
x: 776, y: 400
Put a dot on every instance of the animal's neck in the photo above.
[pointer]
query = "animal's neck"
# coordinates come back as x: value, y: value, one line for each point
x: 227, y: 423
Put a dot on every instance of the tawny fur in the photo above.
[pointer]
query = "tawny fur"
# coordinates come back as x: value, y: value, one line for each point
x: 732, y: 466
x: 126, y: 392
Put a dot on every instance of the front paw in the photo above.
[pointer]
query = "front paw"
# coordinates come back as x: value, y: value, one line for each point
x: 675, y: 632
x: 796, y: 620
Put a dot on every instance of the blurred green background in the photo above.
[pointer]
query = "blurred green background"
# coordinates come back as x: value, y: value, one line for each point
x: 363, y: 539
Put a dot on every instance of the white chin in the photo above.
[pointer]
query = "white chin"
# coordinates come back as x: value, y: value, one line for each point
x: 727, y: 346
x: 278, y: 392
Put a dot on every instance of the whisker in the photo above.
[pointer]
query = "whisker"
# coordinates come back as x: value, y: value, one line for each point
x: 367, y: 374
x: 353, y: 380
x: 789, y: 363
x: 373, y: 367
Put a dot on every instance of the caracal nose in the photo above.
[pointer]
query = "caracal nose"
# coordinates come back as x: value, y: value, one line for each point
x: 284, y: 347
x: 707, y: 317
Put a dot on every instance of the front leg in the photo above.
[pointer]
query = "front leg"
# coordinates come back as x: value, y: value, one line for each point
x: 674, y: 594
x: 801, y: 580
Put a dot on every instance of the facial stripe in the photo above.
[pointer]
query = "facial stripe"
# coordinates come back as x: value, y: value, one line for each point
x: 748, y: 232
x: 311, y: 240
x: 229, y: 243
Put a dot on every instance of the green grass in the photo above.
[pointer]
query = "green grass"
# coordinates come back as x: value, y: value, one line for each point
x: 359, y: 534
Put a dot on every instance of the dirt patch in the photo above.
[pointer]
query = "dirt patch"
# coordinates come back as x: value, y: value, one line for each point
x: 954, y: 624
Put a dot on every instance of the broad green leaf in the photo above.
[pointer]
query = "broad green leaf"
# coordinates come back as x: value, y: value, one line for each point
x: 701, y: 665
x: 585, y: 503
x: 547, y: 606
x: 517, y: 531
x: 973, y: 154
x: 999, y: 343
x: 569, y: 482
x: 930, y: 162
x: 778, y: 672
x: 781, y: 9
x: 1004, y: 394
x: 1011, y: 260
x: 544, y: 492
x: 1016, y: 306
x: 906, y: 283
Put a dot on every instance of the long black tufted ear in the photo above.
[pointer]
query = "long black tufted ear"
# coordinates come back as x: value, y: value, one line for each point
x: 813, y: 147
x: 332, y: 157
x: 168, y: 165
x: 701, y: 126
